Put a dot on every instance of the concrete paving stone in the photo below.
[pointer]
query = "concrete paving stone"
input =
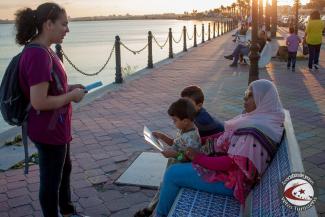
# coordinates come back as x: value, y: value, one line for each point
x: 76, y: 169
x: 3, y: 197
x: 85, y: 192
x: 92, y: 201
x: 4, y: 206
x: 130, y: 188
x: 33, y: 180
x: 98, y: 179
x: 78, y: 176
x: 16, y: 178
x: 19, y: 201
x: 13, y: 172
x: 123, y: 213
x: 15, y: 185
x: 149, y: 192
x: 17, y: 192
x: 110, y: 195
x: 322, y: 166
x: 316, y: 159
x: 103, y: 138
x: 21, y: 211
x: 136, y: 198
x: 94, y: 172
x: 34, y: 195
x: 120, y: 158
x: 117, y: 205
x: 36, y: 206
x: 97, y: 211
x: 116, y: 153
x: 82, y: 155
x: 4, y: 214
x: 80, y: 184
x: 101, y: 156
x: 33, y: 187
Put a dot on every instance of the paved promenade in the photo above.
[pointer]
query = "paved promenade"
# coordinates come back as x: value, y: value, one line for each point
x: 108, y: 132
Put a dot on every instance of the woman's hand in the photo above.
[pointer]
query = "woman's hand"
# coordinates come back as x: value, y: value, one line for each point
x: 74, y: 86
x: 169, y: 153
x: 77, y: 94
x: 191, y: 153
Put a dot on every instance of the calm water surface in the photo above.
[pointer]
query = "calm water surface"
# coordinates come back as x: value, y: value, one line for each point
x: 88, y: 45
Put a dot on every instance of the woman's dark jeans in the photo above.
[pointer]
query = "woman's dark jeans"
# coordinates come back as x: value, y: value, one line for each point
x: 313, y: 54
x: 55, y: 170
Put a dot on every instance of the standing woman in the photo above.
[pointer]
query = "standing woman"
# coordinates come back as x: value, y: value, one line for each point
x: 313, y: 38
x: 43, y: 80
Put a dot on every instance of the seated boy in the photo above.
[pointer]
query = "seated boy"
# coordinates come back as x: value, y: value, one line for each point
x: 206, y: 124
x: 182, y: 112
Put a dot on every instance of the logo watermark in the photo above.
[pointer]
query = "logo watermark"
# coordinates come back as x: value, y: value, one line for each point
x: 298, y: 192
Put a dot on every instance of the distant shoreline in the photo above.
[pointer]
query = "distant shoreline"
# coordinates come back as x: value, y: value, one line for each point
x: 119, y: 17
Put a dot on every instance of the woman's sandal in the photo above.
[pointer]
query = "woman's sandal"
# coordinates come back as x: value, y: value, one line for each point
x: 145, y: 212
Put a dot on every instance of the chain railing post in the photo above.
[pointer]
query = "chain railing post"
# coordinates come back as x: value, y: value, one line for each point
x: 209, y: 32
x: 202, y: 33
x: 58, y: 51
x: 195, y: 44
x: 150, y: 62
x: 218, y: 28
x: 118, y: 73
x: 214, y: 29
x: 184, y: 39
x: 170, y: 36
x: 222, y: 27
x: 227, y: 26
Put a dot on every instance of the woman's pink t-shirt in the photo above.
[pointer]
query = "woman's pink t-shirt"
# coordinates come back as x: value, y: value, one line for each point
x: 53, y: 126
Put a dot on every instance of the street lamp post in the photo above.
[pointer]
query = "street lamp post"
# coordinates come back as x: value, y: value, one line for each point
x: 297, y: 15
x: 253, y: 55
x: 274, y: 18
x: 267, y: 16
x: 260, y: 13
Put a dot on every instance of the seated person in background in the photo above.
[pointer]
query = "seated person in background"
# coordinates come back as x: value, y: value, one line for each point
x: 206, y: 124
x: 242, y: 31
x: 244, y: 49
x: 249, y: 142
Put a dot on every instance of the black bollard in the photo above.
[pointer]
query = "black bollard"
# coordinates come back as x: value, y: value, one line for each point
x: 150, y: 62
x: 118, y: 73
x: 170, y: 36
x: 195, y: 44
x: 184, y: 39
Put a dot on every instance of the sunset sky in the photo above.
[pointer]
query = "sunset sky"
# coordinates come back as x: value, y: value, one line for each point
x: 80, y: 8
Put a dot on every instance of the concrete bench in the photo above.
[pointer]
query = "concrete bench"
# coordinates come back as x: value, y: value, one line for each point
x: 263, y: 200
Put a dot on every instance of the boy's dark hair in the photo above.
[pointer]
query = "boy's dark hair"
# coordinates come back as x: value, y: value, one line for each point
x: 183, y: 109
x: 291, y: 29
x: 193, y: 92
x: 315, y: 15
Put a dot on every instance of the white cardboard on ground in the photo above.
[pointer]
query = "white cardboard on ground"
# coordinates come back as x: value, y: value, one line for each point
x: 146, y: 171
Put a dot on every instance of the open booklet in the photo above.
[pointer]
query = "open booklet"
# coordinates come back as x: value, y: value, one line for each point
x: 157, y: 143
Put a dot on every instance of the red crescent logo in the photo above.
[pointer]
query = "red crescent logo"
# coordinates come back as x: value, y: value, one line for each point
x: 288, y: 193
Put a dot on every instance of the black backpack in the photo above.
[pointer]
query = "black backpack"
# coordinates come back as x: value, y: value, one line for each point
x: 13, y: 104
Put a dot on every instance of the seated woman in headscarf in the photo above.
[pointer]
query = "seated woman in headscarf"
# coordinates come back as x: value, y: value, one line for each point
x: 248, y: 145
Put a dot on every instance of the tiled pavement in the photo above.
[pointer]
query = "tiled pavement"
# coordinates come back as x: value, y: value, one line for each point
x: 108, y: 132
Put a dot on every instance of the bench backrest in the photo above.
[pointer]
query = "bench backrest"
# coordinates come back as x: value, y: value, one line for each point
x: 265, y: 199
